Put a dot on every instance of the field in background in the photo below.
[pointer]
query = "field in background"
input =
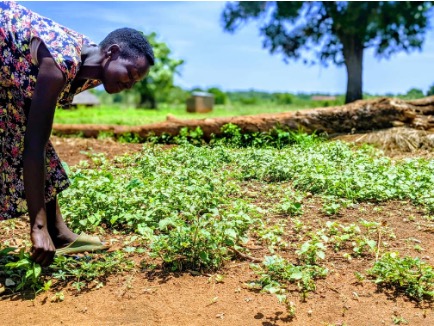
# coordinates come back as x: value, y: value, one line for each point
x: 117, y: 115
x: 238, y: 104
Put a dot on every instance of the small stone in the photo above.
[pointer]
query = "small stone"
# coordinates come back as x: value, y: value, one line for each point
x: 309, y: 312
x: 220, y: 315
x: 9, y: 282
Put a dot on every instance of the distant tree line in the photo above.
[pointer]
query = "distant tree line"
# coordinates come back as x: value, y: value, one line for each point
x: 178, y: 96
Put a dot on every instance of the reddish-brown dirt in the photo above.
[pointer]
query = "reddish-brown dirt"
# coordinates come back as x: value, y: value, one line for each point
x: 73, y: 150
x: 141, y: 298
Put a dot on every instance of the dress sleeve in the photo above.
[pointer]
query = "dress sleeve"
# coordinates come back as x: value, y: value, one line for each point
x: 34, y: 46
x: 63, y: 44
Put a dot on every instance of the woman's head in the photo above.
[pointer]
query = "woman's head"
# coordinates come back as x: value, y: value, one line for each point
x: 127, y: 59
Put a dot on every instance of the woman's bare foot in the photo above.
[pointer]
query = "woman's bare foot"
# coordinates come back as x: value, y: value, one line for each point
x: 60, y: 234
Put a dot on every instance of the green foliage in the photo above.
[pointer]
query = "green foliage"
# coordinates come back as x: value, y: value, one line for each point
x: 20, y: 271
x: 22, y: 274
x: 204, y: 242
x: 276, y: 273
x: 283, y: 98
x: 336, y: 169
x: 188, y: 136
x: 232, y: 136
x: 188, y: 207
x: 277, y: 137
x: 158, y: 84
x: 175, y: 96
x: 414, y: 93
x: 411, y: 275
x: 83, y: 271
x: 430, y: 91
x: 340, y: 236
x: 181, y: 200
x: 220, y: 97
x: 333, y: 205
x: 186, y: 201
x: 129, y: 116
x: 128, y: 137
x: 312, y: 250
x: 250, y: 97
x: 292, y: 204
x: 190, y: 181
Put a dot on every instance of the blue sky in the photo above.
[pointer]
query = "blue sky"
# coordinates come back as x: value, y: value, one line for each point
x: 233, y: 61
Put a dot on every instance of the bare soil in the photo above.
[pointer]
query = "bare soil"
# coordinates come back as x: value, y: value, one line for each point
x: 158, y: 298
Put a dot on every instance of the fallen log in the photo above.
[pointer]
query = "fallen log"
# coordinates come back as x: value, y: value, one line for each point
x: 359, y: 116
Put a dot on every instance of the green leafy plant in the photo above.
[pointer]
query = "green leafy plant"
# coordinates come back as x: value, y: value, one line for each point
x: 313, y: 249
x: 410, y: 275
x: 21, y: 273
x: 276, y: 273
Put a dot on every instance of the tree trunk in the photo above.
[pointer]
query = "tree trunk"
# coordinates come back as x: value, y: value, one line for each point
x: 353, y: 56
x: 147, y: 101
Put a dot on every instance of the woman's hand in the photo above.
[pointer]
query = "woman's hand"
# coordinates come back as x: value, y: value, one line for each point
x: 43, y: 249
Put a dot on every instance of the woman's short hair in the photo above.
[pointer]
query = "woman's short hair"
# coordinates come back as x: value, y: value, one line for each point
x: 133, y: 44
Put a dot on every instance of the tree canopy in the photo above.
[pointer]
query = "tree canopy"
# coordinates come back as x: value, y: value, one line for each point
x: 159, y: 82
x: 335, y: 31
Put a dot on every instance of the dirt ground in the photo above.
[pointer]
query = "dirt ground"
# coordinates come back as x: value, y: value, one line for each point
x: 183, y: 299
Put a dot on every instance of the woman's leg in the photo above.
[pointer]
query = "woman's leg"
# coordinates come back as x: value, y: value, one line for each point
x: 59, y: 232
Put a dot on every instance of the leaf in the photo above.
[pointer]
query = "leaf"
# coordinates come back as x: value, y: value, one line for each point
x: 204, y: 256
x: 164, y: 223
x: 37, y: 270
x: 20, y: 263
x: 129, y: 249
x: 371, y: 243
x: 231, y: 233
x: 281, y: 298
x: 321, y: 254
x: 7, y: 250
x: 297, y: 276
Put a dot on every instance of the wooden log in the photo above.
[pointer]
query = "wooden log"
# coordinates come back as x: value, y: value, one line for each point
x: 359, y: 116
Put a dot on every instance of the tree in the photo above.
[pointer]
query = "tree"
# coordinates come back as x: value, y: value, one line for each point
x: 220, y: 97
x: 430, y: 91
x: 337, y: 31
x: 157, y: 85
x: 414, y: 93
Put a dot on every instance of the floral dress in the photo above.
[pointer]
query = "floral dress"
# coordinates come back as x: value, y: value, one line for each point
x: 18, y: 73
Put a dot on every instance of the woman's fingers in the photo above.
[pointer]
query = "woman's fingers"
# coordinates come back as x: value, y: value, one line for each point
x: 48, y: 259
x: 43, y: 257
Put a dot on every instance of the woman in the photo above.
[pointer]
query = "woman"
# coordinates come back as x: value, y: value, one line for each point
x: 44, y: 64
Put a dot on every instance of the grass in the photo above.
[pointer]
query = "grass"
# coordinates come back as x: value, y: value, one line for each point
x: 133, y: 117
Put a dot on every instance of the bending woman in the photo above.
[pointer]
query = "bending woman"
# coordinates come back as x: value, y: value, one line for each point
x: 42, y: 65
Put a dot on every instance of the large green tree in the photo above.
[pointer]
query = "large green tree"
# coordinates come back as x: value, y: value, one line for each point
x: 157, y: 85
x: 336, y: 31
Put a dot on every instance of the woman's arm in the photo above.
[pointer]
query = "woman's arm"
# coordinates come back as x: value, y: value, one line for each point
x: 49, y: 84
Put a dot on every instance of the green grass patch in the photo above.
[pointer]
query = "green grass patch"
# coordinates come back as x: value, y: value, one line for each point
x: 133, y: 117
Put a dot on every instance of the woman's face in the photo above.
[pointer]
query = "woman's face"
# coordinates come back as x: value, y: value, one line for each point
x: 120, y: 74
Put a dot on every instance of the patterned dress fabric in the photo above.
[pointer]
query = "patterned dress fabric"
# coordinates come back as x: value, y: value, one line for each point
x: 18, y: 26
